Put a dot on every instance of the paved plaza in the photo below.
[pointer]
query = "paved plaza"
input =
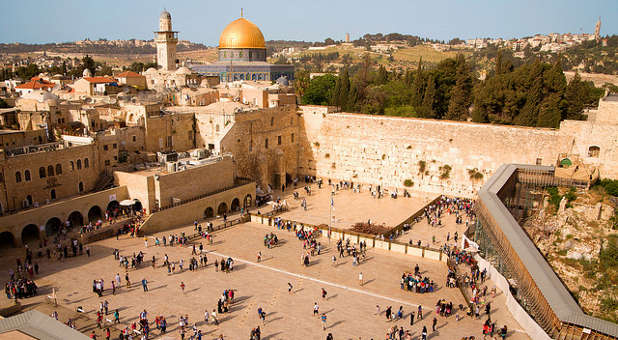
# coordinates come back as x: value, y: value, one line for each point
x: 350, y: 308
x: 350, y: 207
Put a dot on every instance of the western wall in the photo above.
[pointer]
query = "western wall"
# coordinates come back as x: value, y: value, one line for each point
x: 390, y: 150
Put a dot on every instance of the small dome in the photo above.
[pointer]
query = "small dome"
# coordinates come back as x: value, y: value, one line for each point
x: 283, y: 81
x: 242, y: 33
x: 150, y: 70
x: 165, y: 15
x: 87, y: 73
x: 183, y: 70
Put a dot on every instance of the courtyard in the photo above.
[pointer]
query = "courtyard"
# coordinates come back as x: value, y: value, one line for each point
x: 350, y: 308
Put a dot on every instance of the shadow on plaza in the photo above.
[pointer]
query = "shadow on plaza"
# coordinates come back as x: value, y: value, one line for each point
x: 271, y: 336
x: 52, y: 266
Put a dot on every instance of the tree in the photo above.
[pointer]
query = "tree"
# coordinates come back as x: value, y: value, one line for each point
x: 382, y: 75
x: 301, y: 82
x: 426, y: 109
x: 417, y: 85
x: 460, y: 93
x: 320, y: 90
x: 574, y: 98
x: 549, y: 112
x: 88, y: 63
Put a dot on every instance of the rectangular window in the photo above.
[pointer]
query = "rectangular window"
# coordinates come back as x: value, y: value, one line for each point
x: 107, y: 162
x: 292, y: 138
x: 105, y: 147
x: 115, y: 146
x: 279, y: 140
x: 539, y: 161
x: 115, y: 158
x: 134, y: 138
x: 266, y: 143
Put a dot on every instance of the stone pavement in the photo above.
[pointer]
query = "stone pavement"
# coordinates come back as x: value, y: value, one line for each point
x: 350, y: 207
x: 351, y: 308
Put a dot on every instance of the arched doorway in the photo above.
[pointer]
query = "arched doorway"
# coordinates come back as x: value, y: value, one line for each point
x: 235, y: 206
x: 209, y: 213
x: 94, y: 214
x: 222, y: 209
x: 7, y: 240
x: 52, y: 226
x: 113, y: 205
x: 137, y: 206
x: 76, y: 219
x: 248, y: 202
x: 30, y: 233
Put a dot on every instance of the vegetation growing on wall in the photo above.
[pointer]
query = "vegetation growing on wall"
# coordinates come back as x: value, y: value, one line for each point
x: 408, y: 183
x: 445, y: 171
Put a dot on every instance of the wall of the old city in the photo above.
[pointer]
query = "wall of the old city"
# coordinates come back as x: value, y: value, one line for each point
x: 389, y: 150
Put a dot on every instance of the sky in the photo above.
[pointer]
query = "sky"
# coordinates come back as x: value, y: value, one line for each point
x: 201, y: 21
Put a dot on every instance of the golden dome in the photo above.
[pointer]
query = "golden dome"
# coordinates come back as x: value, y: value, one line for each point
x: 241, y: 33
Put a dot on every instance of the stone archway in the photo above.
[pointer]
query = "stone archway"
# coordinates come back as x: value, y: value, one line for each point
x: 235, y: 206
x: 94, y: 214
x: 113, y: 205
x: 222, y: 209
x: 209, y: 212
x: 53, y: 225
x: 30, y: 233
x: 76, y: 219
x: 7, y: 240
x: 248, y: 202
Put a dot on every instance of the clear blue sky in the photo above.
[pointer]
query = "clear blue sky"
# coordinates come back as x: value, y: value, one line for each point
x: 36, y: 21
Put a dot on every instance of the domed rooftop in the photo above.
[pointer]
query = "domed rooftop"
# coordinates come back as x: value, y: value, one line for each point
x: 183, y: 70
x: 242, y: 33
x: 165, y: 15
x: 87, y: 73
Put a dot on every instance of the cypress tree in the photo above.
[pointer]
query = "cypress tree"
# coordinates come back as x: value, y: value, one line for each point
x: 426, y: 109
x: 460, y: 93
x: 417, y: 85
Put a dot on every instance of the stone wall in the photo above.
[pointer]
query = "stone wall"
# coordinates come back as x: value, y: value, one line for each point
x: 390, y: 150
x: 186, y: 213
x: 61, y: 210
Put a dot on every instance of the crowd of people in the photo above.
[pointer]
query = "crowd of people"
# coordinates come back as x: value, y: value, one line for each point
x: 415, y: 282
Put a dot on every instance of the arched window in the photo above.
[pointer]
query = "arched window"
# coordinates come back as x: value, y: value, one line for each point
x: 42, y: 172
x: 50, y: 170
x: 72, y: 166
x: 266, y: 143
x: 17, y: 177
x: 272, y: 121
x: 594, y: 151
x: 58, y: 169
x: 79, y: 164
x: 52, y: 194
x: 86, y: 163
x: 80, y: 187
x: 27, y: 175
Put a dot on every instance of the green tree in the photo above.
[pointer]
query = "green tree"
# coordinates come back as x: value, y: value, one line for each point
x: 417, y: 85
x: 426, y: 109
x: 460, y: 93
x: 549, y: 112
x: 382, y: 77
x: 320, y: 90
x: 574, y: 97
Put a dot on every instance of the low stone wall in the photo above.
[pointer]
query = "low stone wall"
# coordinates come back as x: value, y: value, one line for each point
x: 186, y: 213
x: 371, y: 240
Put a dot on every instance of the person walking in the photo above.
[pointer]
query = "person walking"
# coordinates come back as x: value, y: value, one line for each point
x: 214, y: 316
x: 145, y: 284
x: 316, y: 308
x: 324, y: 293
x: 412, y: 318
x: 433, y: 324
x: 290, y: 287
x: 420, y: 312
x: 116, y: 316
x: 323, y: 318
x: 424, y: 333
x: 206, y: 316
x: 182, y: 286
x: 360, y: 278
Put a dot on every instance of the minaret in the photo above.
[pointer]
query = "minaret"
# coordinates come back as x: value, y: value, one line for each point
x: 166, y: 41
x: 597, y: 30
